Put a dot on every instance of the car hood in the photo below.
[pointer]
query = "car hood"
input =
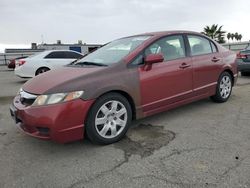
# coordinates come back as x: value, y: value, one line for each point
x: 46, y: 82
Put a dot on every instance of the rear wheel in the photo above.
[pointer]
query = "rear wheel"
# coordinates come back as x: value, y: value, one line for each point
x: 42, y: 70
x: 223, y: 88
x: 108, y: 119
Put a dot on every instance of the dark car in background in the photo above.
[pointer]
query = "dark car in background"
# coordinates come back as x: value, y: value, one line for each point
x: 12, y: 62
x: 243, y: 61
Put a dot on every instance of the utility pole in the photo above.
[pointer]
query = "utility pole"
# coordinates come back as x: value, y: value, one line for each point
x: 42, y: 39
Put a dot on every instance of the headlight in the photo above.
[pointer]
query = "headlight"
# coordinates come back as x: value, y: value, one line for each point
x: 57, y: 98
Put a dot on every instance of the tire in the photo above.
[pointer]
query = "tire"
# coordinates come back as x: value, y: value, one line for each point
x: 245, y: 73
x: 42, y: 70
x: 223, y: 88
x: 108, y: 119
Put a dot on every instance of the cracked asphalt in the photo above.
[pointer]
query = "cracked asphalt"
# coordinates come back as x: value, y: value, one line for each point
x: 202, y: 144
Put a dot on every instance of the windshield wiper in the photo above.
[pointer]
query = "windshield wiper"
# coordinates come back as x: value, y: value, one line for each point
x: 90, y: 63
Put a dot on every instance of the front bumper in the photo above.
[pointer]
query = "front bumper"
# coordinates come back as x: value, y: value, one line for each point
x: 62, y: 122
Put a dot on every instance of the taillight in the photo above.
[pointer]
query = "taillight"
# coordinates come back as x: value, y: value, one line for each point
x: 241, y: 56
x: 21, y: 62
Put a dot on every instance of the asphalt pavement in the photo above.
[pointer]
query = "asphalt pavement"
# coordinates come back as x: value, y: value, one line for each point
x: 203, y: 144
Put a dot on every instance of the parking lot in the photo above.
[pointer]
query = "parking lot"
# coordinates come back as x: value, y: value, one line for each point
x: 202, y: 144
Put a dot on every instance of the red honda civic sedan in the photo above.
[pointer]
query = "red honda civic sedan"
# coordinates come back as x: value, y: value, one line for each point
x: 129, y: 78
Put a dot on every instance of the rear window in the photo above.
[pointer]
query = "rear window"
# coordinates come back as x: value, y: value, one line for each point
x: 56, y: 55
x: 63, y: 55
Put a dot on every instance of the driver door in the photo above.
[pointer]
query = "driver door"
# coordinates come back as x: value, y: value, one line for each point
x: 168, y: 82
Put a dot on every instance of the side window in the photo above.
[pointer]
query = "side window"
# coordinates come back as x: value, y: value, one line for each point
x: 50, y: 55
x: 199, y: 45
x: 55, y: 55
x: 72, y: 55
x: 214, y: 48
x: 172, y: 47
x: 138, y: 60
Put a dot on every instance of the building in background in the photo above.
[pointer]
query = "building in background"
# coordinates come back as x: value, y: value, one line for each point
x: 79, y: 47
x: 12, y: 53
x: 236, y: 46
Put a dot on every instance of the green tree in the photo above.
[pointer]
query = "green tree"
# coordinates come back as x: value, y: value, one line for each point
x: 236, y: 36
x: 215, y: 32
x: 240, y: 37
x: 228, y: 36
x: 232, y: 36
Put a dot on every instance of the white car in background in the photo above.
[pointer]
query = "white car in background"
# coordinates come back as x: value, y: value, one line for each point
x: 45, y: 61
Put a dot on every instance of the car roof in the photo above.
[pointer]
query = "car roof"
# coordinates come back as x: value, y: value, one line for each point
x: 163, y: 33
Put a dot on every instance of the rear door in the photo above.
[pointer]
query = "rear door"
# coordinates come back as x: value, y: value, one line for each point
x: 169, y: 81
x: 206, y: 64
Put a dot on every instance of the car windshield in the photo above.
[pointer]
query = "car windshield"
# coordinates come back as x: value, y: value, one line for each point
x: 113, y: 52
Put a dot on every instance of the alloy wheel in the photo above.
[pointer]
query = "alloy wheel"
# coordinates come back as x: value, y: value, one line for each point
x: 225, y: 86
x: 42, y: 71
x: 111, y: 119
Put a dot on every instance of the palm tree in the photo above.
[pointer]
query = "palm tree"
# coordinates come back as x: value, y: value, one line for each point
x: 228, y: 36
x: 240, y: 37
x: 236, y: 36
x: 215, y: 33
x: 232, y: 36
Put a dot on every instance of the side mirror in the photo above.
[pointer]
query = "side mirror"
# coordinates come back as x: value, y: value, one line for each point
x: 151, y: 59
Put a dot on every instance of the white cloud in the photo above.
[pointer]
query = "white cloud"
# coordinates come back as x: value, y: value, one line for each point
x: 99, y: 21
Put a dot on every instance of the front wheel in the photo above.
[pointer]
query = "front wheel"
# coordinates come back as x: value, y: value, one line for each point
x: 108, y: 119
x: 223, y: 88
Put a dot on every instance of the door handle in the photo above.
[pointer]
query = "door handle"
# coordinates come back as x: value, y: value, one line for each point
x: 215, y: 59
x: 184, y: 65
